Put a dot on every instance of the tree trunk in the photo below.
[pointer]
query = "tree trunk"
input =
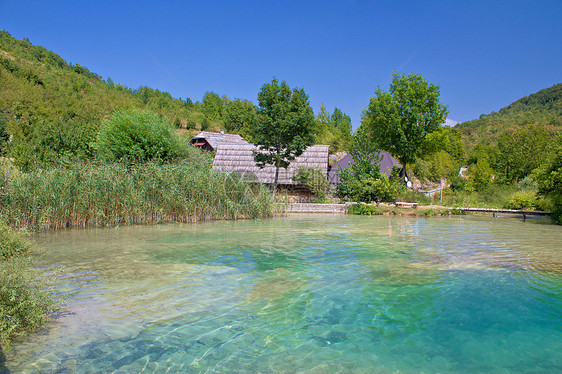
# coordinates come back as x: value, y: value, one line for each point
x: 276, y: 177
x: 403, y: 171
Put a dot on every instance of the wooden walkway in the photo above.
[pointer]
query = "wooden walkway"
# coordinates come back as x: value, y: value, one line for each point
x: 495, y: 212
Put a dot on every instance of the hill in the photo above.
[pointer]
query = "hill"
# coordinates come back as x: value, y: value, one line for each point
x: 50, y: 105
x: 39, y: 87
x: 542, y: 108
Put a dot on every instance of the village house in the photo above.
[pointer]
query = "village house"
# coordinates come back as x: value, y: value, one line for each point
x: 210, y: 141
x: 386, y: 164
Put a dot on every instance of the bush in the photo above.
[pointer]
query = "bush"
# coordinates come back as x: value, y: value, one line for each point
x: 25, y: 302
x: 136, y: 135
x: 367, y: 189
x: 522, y: 200
x: 364, y: 210
x: 12, y: 244
x: 314, y: 180
x: 480, y: 175
x: 205, y: 124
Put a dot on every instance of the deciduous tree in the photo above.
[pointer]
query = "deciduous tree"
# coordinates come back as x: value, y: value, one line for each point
x: 285, y: 126
x: 400, y: 119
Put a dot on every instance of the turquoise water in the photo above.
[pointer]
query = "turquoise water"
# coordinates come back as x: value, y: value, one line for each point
x: 315, y: 294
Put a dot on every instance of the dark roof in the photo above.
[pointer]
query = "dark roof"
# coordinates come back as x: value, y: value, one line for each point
x: 217, y: 139
x: 239, y: 159
x: 385, y: 166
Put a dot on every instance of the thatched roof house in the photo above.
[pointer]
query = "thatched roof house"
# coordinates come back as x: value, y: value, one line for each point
x: 239, y: 159
x: 386, y: 164
x: 211, y: 141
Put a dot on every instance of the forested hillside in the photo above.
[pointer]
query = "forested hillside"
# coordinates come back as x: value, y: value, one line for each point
x: 542, y: 108
x: 53, y: 109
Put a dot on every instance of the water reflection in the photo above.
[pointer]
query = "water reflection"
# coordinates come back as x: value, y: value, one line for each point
x: 306, y: 293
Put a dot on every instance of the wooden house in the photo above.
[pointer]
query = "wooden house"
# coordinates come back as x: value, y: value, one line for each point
x: 211, y: 141
x: 239, y: 159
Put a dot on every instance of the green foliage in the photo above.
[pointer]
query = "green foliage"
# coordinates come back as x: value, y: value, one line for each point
x: 541, y: 108
x: 212, y: 106
x: 408, y: 194
x: 358, y: 183
x: 433, y: 167
x: 367, y: 189
x: 39, y: 89
x: 313, y: 179
x: 285, y: 125
x: 494, y: 196
x: 205, y: 124
x: 12, y: 244
x: 115, y: 194
x: 549, y: 180
x: 177, y: 123
x: 240, y: 117
x: 400, y: 120
x: 446, y: 139
x: 56, y: 143
x: 364, y: 210
x: 334, y: 130
x: 25, y: 302
x: 480, y: 175
x: 4, y: 136
x: 523, y: 200
x: 136, y: 135
x: 444, y: 154
x: 522, y: 151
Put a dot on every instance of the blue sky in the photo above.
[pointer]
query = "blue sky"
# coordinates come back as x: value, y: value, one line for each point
x: 483, y: 54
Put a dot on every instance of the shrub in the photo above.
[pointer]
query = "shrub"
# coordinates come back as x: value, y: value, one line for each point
x: 480, y: 175
x: 364, y: 210
x: 314, y: 180
x: 25, y: 301
x: 205, y: 124
x: 12, y: 244
x: 522, y: 200
x: 136, y: 135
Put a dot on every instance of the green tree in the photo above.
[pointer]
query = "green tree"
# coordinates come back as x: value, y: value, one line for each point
x: 213, y: 106
x: 362, y: 181
x: 240, y: 117
x: 285, y: 125
x: 480, y: 175
x: 136, y: 135
x: 520, y: 152
x: 400, y: 119
x: 549, y: 179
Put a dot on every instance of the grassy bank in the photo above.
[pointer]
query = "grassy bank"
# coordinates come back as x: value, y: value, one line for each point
x: 110, y: 194
x: 389, y: 210
x: 25, y: 301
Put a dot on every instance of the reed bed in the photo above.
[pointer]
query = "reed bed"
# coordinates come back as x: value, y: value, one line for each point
x: 114, y: 194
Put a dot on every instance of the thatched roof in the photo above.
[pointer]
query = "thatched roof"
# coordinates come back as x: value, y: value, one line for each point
x: 385, y: 165
x: 239, y: 159
x: 217, y: 139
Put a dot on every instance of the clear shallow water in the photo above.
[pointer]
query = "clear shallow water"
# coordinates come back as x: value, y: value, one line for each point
x: 316, y: 294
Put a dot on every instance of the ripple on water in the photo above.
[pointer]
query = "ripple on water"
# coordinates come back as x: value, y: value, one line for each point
x: 313, y: 294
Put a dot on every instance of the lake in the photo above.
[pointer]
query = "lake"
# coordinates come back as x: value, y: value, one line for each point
x: 304, y: 293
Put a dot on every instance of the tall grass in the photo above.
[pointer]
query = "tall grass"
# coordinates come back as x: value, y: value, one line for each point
x: 111, y: 194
